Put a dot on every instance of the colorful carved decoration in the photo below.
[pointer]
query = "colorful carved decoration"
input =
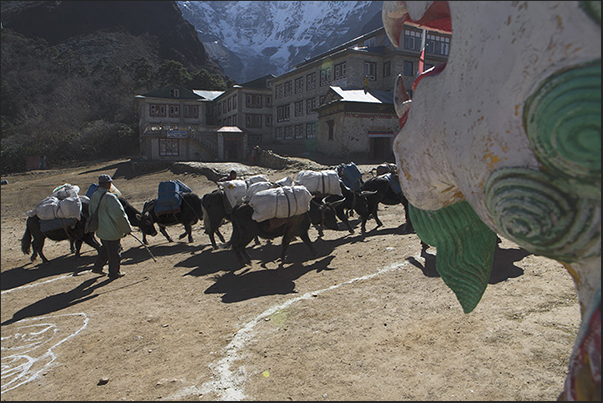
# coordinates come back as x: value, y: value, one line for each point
x: 506, y: 138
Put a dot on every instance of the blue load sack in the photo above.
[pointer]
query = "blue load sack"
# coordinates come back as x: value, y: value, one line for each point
x: 350, y: 175
x: 168, y: 198
x: 91, y: 189
x: 56, y: 223
x: 394, y: 182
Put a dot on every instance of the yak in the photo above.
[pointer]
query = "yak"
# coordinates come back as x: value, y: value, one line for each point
x: 245, y: 228
x: 190, y: 213
x: 75, y: 234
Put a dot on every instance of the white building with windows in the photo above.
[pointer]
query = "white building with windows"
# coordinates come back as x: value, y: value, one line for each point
x: 366, y: 62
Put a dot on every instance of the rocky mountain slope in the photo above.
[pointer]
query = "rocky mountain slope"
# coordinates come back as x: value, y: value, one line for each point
x: 253, y: 38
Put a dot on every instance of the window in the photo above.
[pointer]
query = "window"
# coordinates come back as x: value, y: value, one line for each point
x: 331, y: 124
x: 190, y: 111
x: 299, y: 132
x: 268, y: 101
x: 340, y: 71
x: 437, y: 45
x: 288, y: 86
x: 325, y: 76
x: 321, y: 100
x: 288, y: 133
x: 278, y: 133
x: 370, y: 43
x: 174, y: 93
x: 268, y: 120
x: 299, y: 108
x: 311, y: 81
x: 254, y: 101
x: 234, y: 102
x: 229, y: 104
x: 299, y: 85
x: 253, y: 121
x: 174, y: 111
x: 278, y: 91
x: 412, y: 39
x: 282, y: 113
x: 224, y: 107
x: 310, y: 130
x: 168, y: 147
x: 387, y: 69
x: 370, y: 70
x: 408, y: 68
x: 310, y: 105
x: 156, y: 110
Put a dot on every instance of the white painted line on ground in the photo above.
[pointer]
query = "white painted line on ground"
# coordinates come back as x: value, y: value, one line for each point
x: 43, y: 282
x: 229, y: 385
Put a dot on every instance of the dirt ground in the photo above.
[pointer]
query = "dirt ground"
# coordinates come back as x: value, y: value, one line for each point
x: 368, y: 319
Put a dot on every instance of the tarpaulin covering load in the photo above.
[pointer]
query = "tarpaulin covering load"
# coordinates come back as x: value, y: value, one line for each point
x: 255, y: 179
x: 169, y: 196
x: 51, y: 208
x: 394, y: 182
x: 49, y: 225
x: 321, y: 182
x: 350, y: 175
x: 235, y: 190
x: 257, y: 187
x: 286, y: 181
x: 280, y: 202
x: 65, y: 191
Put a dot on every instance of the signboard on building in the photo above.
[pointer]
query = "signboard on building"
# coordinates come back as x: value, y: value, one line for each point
x: 177, y: 134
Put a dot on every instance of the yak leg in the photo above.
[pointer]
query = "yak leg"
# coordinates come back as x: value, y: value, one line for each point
x: 344, y: 219
x: 308, y: 243
x: 165, y: 234
x: 78, y: 247
x: 188, y: 230
x: 38, y: 245
x: 72, y: 246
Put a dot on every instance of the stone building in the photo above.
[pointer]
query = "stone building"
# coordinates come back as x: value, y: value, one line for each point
x: 338, y: 103
x: 368, y: 63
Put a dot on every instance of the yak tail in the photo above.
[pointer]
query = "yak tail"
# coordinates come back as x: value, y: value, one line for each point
x: 26, y: 241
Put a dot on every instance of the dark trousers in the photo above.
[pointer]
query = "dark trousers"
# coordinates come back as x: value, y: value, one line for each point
x: 110, y: 251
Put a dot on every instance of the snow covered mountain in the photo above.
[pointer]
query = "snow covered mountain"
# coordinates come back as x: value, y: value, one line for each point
x: 250, y: 39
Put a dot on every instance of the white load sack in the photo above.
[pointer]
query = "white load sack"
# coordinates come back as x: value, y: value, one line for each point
x: 280, y: 202
x: 235, y: 191
x: 321, y: 182
x: 70, y: 207
x: 256, y: 187
x: 286, y: 181
x: 255, y: 179
x: 65, y: 191
x: 51, y: 208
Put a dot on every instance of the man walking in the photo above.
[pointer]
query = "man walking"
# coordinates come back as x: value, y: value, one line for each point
x: 113, y: 225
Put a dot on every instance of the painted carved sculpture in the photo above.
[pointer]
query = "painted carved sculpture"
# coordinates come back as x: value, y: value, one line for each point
x: 506, y: 138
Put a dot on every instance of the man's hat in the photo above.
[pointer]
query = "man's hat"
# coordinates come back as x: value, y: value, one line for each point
x: 104, y: 179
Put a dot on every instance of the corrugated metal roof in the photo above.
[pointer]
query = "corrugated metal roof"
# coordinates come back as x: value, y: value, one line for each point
x: 369, y: 96
x: 207, y: 94
x: 229, y: 129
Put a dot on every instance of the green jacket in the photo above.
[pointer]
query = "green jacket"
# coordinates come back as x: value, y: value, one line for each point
x: 113, y: 222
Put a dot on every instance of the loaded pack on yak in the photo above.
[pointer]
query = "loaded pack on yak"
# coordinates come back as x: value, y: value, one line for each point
x: 319, y: 182
x: 62, y: 209
x: 350, y: 175
x: 169, y: 196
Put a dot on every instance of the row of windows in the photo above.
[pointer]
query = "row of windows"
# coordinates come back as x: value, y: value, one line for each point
x: 283, y: 113
x: 339, y: 72
x: 252, y: 101
x: 252, y: 121
x: 409, y: 68
x: 435, y: 44
x: 297, y: 132
x: 159, y: 110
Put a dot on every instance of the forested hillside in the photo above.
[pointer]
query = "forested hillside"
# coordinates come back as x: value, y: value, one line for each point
x: 70, y: 71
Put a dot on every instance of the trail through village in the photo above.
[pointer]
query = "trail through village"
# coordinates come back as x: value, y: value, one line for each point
x: 367, y: 319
